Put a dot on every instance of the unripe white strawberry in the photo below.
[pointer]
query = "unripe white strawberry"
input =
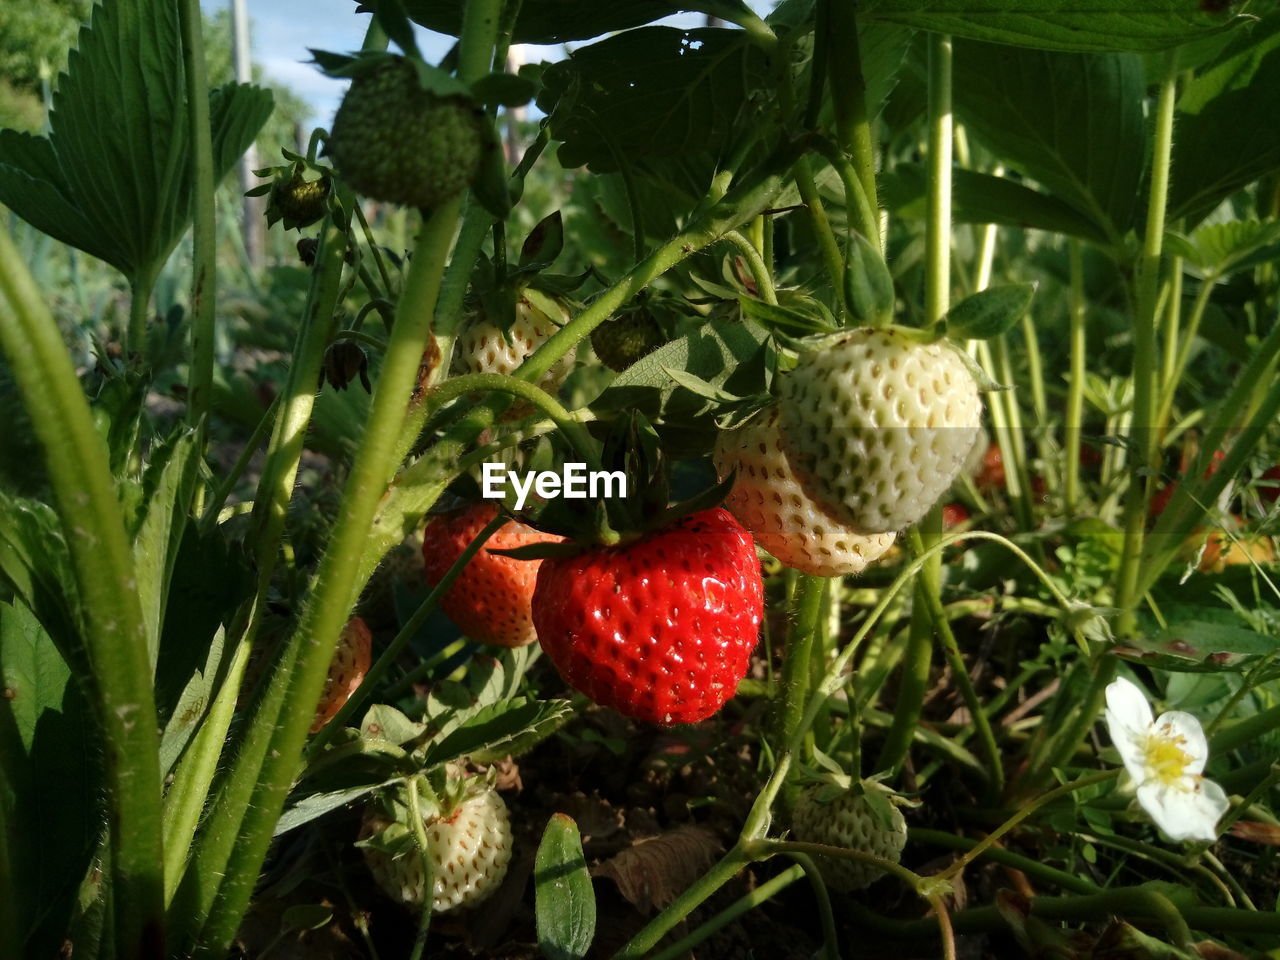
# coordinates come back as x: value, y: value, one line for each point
x: 483, y: 346
x: 769, y: 501
x: 469, y: 846
x: 877, y: 426
x: 351, y: 661
x: 863, y: 818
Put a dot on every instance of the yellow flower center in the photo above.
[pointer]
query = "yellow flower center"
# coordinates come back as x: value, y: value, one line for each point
x: 1164, y: 757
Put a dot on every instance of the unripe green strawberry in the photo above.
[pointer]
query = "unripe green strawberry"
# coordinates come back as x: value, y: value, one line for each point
x: 351, y: 661
x: 484, y: 347
x: 878, y: 426
x: 863, y: 818
x: 626, y: 338
x: 394, y: 141
x: 769, y: 501
x: 295, y: 200
x: 469, y: 845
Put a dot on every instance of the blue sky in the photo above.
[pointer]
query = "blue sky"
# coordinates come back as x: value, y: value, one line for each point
x: 283, y: 30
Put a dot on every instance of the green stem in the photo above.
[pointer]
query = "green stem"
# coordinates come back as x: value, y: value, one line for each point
x: 724, y: 870
x: 913, y: 684
x: 228, y: 483
x: 1185, y: 341
x: 204, y: 290
x: 114, y: 633
x: 1024, y: 811
x: 1029, y: 866
x: 334, y: 589
x: 141, y: 285
x: 762, y: 894
x: 937, y: 295
x: 199, y: 766
x: 1075, y: 378
x: 789, y: 708
x: 937, y: 298
x: 1130, y: 901
x: 755, y: 263
x: 572, y: 428
x: 1247, y: 730
x: 1015, y: 453
x: 828, y: 246
x: 849, y: 101
x: 830, y: 941
x: 1142, y: 432
x: 960, y: 674
x: 407, y: 632
x: 428, y: 871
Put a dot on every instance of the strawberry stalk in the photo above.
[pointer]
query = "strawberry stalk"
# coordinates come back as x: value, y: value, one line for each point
x: 334, y: 590
x: 114, y: 634
x: 853, y: 122
x: 1143, y: 459
x: 187, y: 796
x: 204, y: 231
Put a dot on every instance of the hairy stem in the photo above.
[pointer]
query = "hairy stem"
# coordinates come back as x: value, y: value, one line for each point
x: 114, y: 632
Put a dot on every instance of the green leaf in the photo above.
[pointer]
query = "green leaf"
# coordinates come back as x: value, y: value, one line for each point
x: 543, y: 245
x: 117, y: 131
x: 504, y: 90
x: 1198, y: 639
x: 191, y: 705
x: 50, y: 801
x: 984, y: 198
x: 549, y: 21
x: 31, y: 185
x: 1072, y: 122
x: 171, y: 476
x: 35, y: 562
x: 990, y: 312
x: 564, y: 900
x: 318, y: 804
x: 113, y: 178
x: 713, y: 354
x: 1228, y: 126
x: 383, y: 722
x: 868, y: 285
x: 1221, y: 249
x: 1069, y: 25
x: 500, y: 730
x: 655, y: 92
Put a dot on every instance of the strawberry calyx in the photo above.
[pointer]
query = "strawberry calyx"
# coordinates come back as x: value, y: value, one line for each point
x: 632, y: 448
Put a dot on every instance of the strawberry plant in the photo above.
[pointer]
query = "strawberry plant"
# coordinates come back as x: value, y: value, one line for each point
x: 797, y: 441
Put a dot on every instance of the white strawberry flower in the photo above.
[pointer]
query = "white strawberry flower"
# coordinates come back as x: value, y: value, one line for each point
x: 1165, y: 758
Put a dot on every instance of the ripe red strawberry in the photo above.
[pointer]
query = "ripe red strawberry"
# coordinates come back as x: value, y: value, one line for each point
x: 490, y: 600
x: 659, y: 629
x: 770, y: 502
x: 469, y: 844
x: 351, y: 661
x: 953, y: 514
x: 878, y: 426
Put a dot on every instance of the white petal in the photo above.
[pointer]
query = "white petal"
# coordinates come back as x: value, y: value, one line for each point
x: 1129, y: 723
x: 1182, y: 725
x: 1187, y: 810
x: 1127, y: 706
